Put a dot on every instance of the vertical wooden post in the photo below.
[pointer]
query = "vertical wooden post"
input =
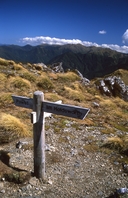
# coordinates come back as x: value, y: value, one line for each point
x: 39, y: 136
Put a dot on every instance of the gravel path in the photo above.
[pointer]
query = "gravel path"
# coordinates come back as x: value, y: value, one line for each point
x: 75, y: 168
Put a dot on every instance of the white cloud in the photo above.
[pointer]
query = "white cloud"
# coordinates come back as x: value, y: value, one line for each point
x: 48, y: 40
x: 123, y: 49
x: 57, y: 41
x: 125, y: 37
x: 102, y: 32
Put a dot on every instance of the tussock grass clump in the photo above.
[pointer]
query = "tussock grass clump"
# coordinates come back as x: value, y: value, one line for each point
x: 68, y: 77
x: 77, y: 86
x: 91, y: 147
x: 73, y: 94
x: 3, y: 62
x: 121, y: 103
x: 2, y: 80
x: 17, y: 67
x: 53, y: 76
x: 107, y: 129
x: 98, y: 98
x: 108, y: 103
x: 20, y: 83
x: 86, y: 122
x: 38, y: 67
x: 29, y: 76
x: 11, y: 62
x: 118, y: 143
x: 45, y: 83
x: 121, y: 127
x: 53, y: 97
x: 5, y: 99
x: 11, y: 128
x: 29, y: 65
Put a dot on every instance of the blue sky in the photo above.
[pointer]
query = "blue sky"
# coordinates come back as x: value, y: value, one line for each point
x: 101, y: 23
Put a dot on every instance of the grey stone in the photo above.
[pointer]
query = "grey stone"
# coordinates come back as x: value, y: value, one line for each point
x: 113, y: 86
x: 57, y: 67
x: 34, y: 181
x: 2, y: 191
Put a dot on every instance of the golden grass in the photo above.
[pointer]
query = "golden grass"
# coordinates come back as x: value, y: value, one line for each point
x: 98, y: 98
x: 68, y: 77
x: 29, y: 76
x: 91, y: 147
x: 53, y: 97
x: 108, y: 103
x: 17, y: 67
x: 3, y: 80
x: 108, y: 129
x: 117, y: 143
x: 86, y: 122
x: 11, y: 128
x: 20, y: 83
x: 120, y: 126
x: 53, y: 76
x: 3, y: 62
x: 38, y: 67
x: 78, y: 86
x: 121, y: 103
x: 5, y: 99
x: 121, y: 113
x: 11, y: 62
x: 73, y: 94
x: 45, y: 83
x: 29, y: 65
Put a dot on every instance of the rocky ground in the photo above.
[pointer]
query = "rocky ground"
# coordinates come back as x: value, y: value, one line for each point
x: 75, y: 167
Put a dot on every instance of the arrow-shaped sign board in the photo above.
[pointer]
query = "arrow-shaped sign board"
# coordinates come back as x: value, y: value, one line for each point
x: 52, y: 107
x: 21, y: 101
x: 65, y: 110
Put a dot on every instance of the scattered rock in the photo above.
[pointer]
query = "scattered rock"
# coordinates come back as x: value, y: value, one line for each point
x: 84, y: 80
x: 125, y: 167
x: 2, y: 191
x: 1, y: 185
x: 95, y: 104
x: 34, y: 181
x: 57, y: 67
x: 122, y: 190
x: 49, y: 181
x: 113, y: 86
x: 79, y: 74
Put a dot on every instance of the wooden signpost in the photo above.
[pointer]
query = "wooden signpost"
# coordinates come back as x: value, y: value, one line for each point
x: 39, y: 106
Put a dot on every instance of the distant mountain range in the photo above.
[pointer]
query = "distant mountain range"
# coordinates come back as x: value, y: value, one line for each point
x: 90, y: 61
